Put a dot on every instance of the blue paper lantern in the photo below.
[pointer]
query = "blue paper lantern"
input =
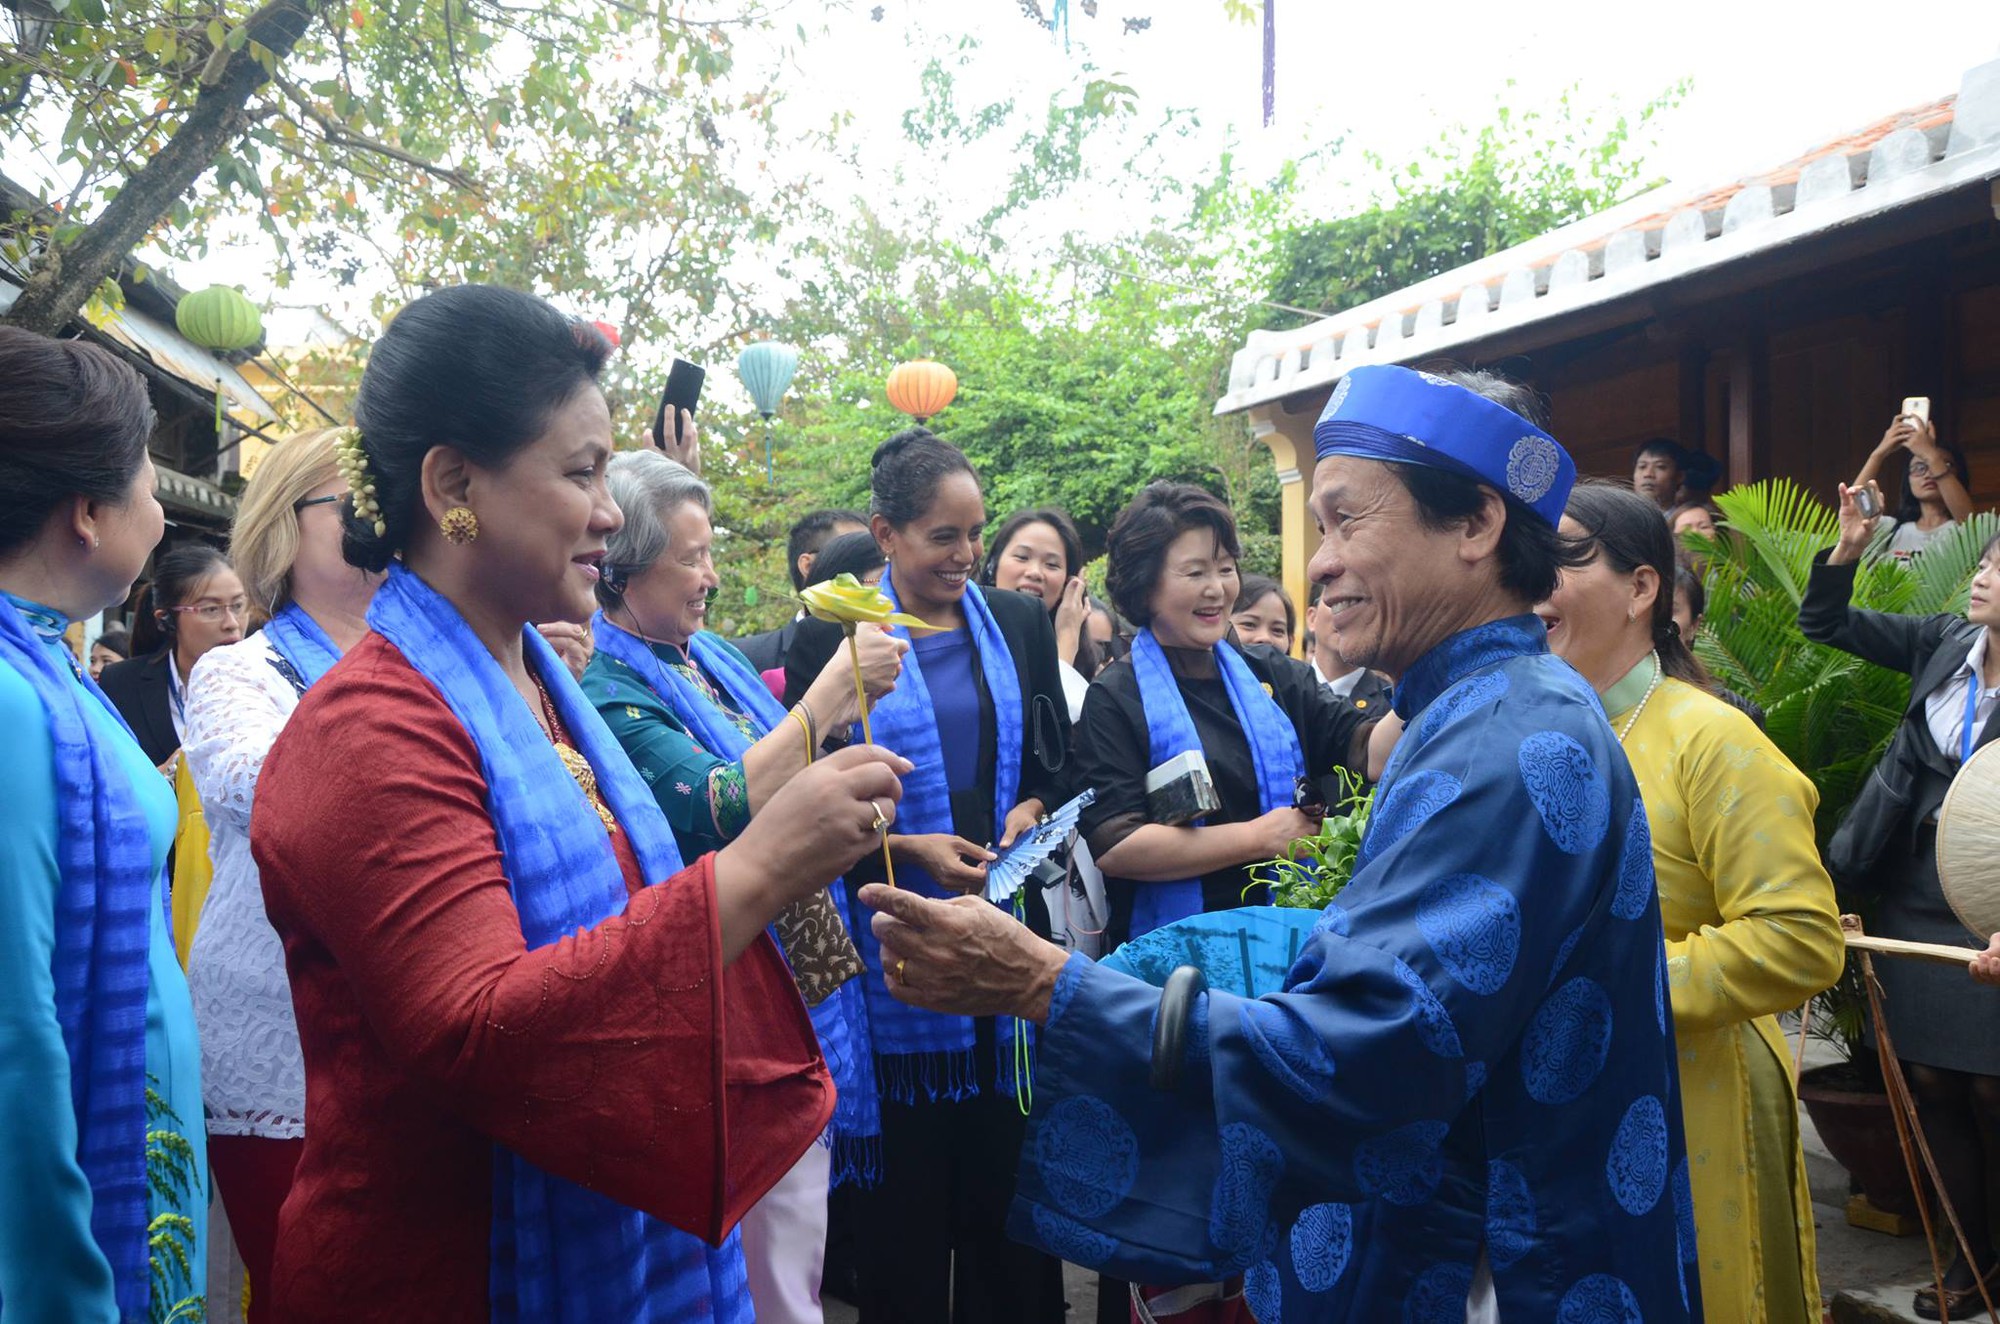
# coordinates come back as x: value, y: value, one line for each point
x: 766, y: 369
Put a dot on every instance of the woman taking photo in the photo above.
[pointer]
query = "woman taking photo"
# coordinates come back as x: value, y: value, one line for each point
x: 707, y: 736
x: 1260, y: 721
x: 1038, y: 552
x: 1937, y: 490
x: 1751, y: 924
x: 286, y: 546
x: 511, y: 994
x: 93, y: 1008
x: 1946, y: 1033
x: 978, y: 710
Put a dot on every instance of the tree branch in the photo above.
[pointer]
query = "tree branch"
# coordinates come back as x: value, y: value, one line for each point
x: 340, y: 135
x: 67, y: 274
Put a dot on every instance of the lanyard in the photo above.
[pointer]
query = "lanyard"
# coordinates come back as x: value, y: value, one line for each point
x: 1971, y: 713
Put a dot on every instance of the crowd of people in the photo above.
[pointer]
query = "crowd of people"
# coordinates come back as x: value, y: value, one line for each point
x: 548, y: 956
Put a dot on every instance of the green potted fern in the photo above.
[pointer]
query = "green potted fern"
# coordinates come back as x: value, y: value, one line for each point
x: 1833, y: 715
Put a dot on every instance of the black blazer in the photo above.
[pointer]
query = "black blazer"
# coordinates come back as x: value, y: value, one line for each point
x: 1909, y: 782
x: 1370, y: 694
x: 766, y: 649
x: 138, y: 687
x: 1031, y: 639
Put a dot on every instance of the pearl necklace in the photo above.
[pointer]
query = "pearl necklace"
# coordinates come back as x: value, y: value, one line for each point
x: 1644, y: 699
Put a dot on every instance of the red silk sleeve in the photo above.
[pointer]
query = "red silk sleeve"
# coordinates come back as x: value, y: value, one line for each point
x: 624, y: 1057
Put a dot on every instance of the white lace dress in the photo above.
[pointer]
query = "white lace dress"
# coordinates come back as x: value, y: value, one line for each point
x: 253, y: 1074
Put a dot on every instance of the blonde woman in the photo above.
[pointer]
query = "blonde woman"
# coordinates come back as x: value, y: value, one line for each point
x: 286, y: 547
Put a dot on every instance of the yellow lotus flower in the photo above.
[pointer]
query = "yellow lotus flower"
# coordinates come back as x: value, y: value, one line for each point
x: 847, y: 602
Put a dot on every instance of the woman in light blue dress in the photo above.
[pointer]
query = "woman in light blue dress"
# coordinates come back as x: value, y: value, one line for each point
x: 94, y: 1010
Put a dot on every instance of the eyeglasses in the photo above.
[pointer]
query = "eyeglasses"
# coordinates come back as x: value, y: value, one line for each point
x: 1920, y: 469
x: 297, y: 506
x: 215, y: 611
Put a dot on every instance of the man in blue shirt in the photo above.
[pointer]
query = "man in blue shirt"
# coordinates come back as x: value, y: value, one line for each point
x: 1464, y: 1104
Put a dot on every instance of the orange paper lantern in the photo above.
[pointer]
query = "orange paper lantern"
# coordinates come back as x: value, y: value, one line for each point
x: 922, y: 388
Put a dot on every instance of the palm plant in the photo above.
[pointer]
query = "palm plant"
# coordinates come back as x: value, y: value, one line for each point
x: 1829, y: 712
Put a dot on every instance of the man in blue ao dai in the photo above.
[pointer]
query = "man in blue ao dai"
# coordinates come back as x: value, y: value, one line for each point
x: 1463, y: 1105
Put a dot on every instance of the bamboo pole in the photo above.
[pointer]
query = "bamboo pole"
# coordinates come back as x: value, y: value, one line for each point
x: 1850, y: 929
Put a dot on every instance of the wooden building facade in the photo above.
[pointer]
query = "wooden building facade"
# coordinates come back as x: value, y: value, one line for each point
x: 1775, y: 323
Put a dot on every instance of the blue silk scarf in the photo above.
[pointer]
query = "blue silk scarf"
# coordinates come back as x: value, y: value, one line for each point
x: 923, y: 1050
x: 841, y: 1019
x: 1274, y: 752
x: 559, y: 1252
x: 104, y: 857
x: 308, y: 649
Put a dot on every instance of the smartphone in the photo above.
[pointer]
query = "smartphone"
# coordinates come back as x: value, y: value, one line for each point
x: 683, y: 391
x: 1867, y: 500
x: 1917, y: 406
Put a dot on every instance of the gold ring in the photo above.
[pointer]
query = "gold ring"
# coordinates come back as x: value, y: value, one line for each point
x: 900, y: 977
x: 881, y: 823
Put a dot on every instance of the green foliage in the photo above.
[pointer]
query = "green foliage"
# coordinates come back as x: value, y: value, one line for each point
x: 170, y: 1239
x: 595, y: 150
x: 1319, y: 867
x: 1829, y: 712
x: 1465, y: 196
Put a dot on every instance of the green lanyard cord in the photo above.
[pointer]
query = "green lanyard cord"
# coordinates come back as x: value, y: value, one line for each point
x: 1024, y: 1066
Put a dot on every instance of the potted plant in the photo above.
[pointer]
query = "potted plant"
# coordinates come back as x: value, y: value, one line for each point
x: 1833, y: 716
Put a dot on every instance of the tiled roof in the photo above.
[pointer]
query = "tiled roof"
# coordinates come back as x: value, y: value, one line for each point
x: 1668, y: 234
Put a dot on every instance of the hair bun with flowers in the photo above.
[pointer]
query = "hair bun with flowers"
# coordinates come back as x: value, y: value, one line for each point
x: 352, y: 461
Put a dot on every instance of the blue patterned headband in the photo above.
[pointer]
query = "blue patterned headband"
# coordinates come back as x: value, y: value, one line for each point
x: 1403, y: 417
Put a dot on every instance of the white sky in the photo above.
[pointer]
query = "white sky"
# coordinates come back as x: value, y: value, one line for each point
x: 1770, y: 79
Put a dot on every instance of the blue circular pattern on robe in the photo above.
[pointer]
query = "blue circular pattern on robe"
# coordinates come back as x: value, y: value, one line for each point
x: 1438, y: 1295
x: 1087, y: 1155
x: 1238, y: 1210
x: 1635, y: 866
x: 1264, y: 1292
x: 1684, y: 1212
x: 1474, y: 926
x: 1334, y: 919
x: 1566, y: 1043
x: 1562, y: 952
x: 1510, y: 1214
x: 1434, y: 1023
x: 1066, y: 985
x: 1068, y: 1239
x: 1475, y: 1079
x: 1599, y: 1299
x: 1402, y: 1167
x: 1289, y: 1051
x: 1569, y: 793
x: 1637, y: 1164
x: 1410, y: 801
x: 1474, y: 692
x: 1322, y: 1240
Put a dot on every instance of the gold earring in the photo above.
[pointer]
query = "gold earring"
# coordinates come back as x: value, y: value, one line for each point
x: 459, y: 525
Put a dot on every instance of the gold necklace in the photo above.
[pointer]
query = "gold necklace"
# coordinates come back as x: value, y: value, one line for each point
x: 578, y: 766
x: 1644, y: 699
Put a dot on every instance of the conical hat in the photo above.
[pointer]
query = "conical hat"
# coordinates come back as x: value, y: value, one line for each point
x: 1968, y: 842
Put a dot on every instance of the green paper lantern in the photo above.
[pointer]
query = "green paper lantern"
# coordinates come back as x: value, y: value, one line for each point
x: 220, y: 318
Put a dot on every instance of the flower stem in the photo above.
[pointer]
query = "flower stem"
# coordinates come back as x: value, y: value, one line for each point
x: 861, y: 701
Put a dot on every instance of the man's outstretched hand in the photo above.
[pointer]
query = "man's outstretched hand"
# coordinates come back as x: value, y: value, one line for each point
x: 963, y: 957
